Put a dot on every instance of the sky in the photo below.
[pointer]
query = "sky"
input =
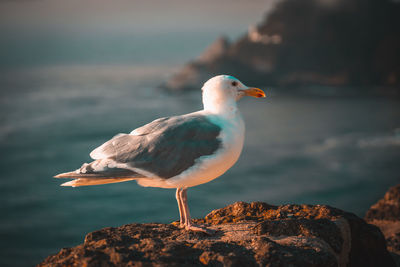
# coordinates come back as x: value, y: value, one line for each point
x: 86, y: 32
x: 131, y: 15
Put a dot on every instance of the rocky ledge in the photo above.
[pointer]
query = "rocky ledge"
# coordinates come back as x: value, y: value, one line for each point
x: 248, y: 234
x: 386, y: 215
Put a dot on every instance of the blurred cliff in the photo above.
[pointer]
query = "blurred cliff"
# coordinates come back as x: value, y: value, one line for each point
x: 319, y: 42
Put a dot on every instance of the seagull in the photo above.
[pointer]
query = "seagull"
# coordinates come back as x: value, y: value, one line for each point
x: 175, y: 152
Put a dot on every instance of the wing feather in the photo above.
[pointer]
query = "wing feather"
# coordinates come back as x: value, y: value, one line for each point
x: 164, y: 147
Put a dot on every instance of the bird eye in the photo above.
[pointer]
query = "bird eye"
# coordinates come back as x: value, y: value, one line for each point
x: 234, y: 83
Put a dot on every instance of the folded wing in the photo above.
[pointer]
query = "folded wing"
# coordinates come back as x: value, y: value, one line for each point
x: 163, y: 148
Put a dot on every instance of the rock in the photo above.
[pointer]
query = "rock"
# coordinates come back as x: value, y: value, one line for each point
x: 388, y: 208
x: 248, y: 234
x: 386, y: 215
x: 196, y: 72
x: 216, y: 50
x: 332, y: 43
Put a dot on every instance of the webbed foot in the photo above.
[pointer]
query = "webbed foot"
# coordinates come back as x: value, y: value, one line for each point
x: 195, y: 228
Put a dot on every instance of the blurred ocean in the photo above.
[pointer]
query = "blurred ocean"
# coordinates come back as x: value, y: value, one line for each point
x: 63, y: 98
x: 341, y: 151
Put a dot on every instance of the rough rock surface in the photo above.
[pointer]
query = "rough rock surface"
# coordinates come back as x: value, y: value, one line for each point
x: 248, y: 234
x: 386, y: 215
x: 340, y: 43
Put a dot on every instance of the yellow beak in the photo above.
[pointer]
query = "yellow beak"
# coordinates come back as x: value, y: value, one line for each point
x: 254, y: 92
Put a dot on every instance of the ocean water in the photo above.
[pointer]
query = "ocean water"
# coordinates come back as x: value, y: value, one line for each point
x: 337, y: 150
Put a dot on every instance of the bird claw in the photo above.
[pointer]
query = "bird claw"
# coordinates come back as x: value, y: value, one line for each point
x: 200, y: 229
x: 178, y: 224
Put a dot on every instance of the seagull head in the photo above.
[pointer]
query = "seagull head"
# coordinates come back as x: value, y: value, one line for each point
x: 221, y: 92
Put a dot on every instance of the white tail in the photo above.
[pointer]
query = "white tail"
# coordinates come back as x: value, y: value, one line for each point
x: 95, y: 181
x: 97, y: 178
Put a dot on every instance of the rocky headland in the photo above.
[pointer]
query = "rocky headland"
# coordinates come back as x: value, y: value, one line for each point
x: 248, y: 234
x: 386, y: 215
x: 353, y: 43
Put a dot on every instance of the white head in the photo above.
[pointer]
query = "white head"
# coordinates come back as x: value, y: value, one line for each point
x: 220, y: 93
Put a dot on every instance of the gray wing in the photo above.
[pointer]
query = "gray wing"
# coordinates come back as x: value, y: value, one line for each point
x: 165, y: 147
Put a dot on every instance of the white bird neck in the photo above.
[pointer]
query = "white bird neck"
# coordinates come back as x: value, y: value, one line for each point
x: 220, y: 105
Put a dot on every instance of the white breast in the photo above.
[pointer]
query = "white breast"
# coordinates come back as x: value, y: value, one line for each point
x: 209, y: 167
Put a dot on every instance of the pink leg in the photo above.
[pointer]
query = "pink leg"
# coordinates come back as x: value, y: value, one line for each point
x: 180, y: 207
x: 187, y: 220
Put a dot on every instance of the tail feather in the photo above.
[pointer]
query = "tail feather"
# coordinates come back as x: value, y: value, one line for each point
x: 97, y: 178
x: 95, y: 181
x: 96, y: 175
